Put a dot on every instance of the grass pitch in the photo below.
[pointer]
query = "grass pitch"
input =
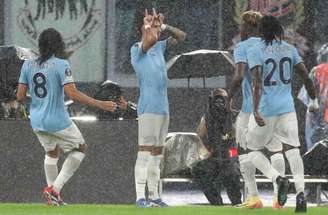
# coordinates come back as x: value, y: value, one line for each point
x: 40, y: 209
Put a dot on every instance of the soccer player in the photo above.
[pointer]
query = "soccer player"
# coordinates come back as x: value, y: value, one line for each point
x: 272, y: 63
x: 147, y: 58
x: 46, y: 79
x: 243, y: 79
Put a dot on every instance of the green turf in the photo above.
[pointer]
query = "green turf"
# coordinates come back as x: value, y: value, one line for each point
x: 38, y: 209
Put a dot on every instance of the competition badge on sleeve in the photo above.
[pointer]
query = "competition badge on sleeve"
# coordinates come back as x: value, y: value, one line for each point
x: 68, y: 75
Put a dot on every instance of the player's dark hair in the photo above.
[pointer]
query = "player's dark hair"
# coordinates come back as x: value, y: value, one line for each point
x: 270, y: 29
x: 50, y: 43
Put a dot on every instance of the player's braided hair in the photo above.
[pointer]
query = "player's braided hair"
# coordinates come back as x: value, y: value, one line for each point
x: 251, y: 20
x: 50, y: 43
x: 270, y: 29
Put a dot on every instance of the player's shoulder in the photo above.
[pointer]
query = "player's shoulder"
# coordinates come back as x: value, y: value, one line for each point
x: 60, y: 61
x: 29, y: 62
x: 256, y: 47
x: 136, y: 45
x: 245, y: 44
x: 288, y: 45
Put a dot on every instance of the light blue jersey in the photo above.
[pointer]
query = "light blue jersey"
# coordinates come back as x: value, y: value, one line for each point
x: 46, y: 87
x: 240, y: 56
x: 152, y: 75
x: 277, y: 61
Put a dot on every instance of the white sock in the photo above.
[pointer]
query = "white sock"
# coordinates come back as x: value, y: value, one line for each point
x: 278, y: 162
x: 153, y: 176
x: 247, y: 170
x: 296, y: 166
x: 50, y: 169
x: 71, y: 164
x: 263, y: 164
x: 140, y: 173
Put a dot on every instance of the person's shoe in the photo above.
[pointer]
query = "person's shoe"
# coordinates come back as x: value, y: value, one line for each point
x: 253, y: 202
x: 142, y: 203
x: 283, y: 187
x: 301, y: 205
x: 158, y: 203
x: 52, y: 197
x: 275, y: 204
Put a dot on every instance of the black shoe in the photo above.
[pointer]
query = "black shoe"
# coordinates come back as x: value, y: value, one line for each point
x: 283, y: 187
x: 300, y: 203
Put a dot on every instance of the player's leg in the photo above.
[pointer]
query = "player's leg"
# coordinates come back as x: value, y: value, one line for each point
x: 247, y: 168
x: 257, y: 138
x: 161, y: 129
x: 48, y: 142
x: 70, y: 140
x: 146, y: 141
x: 278, y: 162
x: 50, y: 165
x: 287, y: 132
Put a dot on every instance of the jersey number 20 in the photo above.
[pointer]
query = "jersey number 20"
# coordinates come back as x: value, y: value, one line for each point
x: 40, y: 81
x: 267, y: 80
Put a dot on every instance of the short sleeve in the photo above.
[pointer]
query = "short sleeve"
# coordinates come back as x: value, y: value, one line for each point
x: 65, y: 73
x: 253, y: 57
x: 239, y: 54
x: 23, y: 74
x: 296, y: 57
x: 136, y: 52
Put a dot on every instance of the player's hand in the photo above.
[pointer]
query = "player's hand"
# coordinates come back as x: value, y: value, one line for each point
x: 161, y: 18
x: 313, y: 105
x: 259, y: 120
x: 148, y: 19
x: 108, y: 105
x: 122, y: 104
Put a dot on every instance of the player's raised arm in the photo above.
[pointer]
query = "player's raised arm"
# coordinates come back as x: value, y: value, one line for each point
x: 149, y: 33
x: 73, y: 93
x: 177, y: 35
x: 303, y: 72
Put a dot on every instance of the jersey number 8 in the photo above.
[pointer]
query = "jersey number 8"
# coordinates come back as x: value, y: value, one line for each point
x: 40, y: 81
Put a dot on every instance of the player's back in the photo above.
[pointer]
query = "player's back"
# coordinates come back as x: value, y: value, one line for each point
x: 45, y: 83
x: 277, y: 61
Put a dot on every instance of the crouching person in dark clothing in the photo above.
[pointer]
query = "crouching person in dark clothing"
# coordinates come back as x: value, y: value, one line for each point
x: 215, y: 129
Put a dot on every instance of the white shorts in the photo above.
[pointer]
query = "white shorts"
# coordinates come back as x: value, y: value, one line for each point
x: 68, y: 139
x: 277, y: 130
x: 152, y: 129
x: 242, y: 128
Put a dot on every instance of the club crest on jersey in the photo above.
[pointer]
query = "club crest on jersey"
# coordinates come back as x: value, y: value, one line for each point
x: 81, y: 18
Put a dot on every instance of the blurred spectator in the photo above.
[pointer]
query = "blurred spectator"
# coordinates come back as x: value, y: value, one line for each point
x: 316, y: 127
